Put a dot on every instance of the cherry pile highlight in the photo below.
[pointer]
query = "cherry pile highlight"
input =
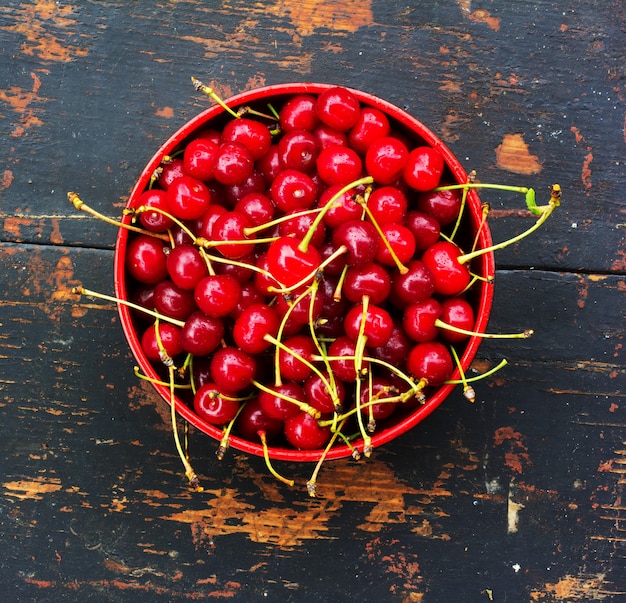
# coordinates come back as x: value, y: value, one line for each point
x: 303, y: 273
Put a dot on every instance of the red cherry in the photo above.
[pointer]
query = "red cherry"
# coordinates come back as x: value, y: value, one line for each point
x: 343, y: 209
x: 343, y: 347
x: 451, y: 278
x: 416, y: 285
x: 371, y: 125
x: 385, y: 159
x: 214, y: 406
x: 419, y: 320
x: 298, y: 150
x: 299, y: 113
x: 329, y: 137
x: 380, y: 390
x: 291, y: 367
x: 400, y: 239
x: 372, y: 280
x: 338, y: 165
x: 443, y: 206
x: 269, y: 165
x: 360, y: 238
x: 233, y: 163
x: 232, y: 369
x: 186, y: 266
x: 300, y: 225
x: 252, y: 419
x: 201, y: 334
x: 231, y: 226
x: 377, y: 328
x: 188, y: 198
x: 199, y: 158
x: 387, y: 204
x: 275, y: 406
x: 288, y: 264
x: 172, y: 301
x: 169, y: 339
x: 171, y: 169
x: 431, y: 361
x: 457, y: 312
x: 317, y: 394
x: 293, y: 190
x: 338, y: 108
x: 252, y: 134
x: 396, y: 349
x: 257, y: 207
x: 146, y: 260
x: 155, y: 221
x: 304, y: 432
x: 217, y: 294
x: 425, y: 229
x: 424, y: 168
x: 253, y: 324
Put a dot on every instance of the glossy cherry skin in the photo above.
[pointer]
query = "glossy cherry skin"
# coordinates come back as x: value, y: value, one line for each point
x: 170, y: 170
x: 233, y: 163
x: 201, y: 334
x: 318, y: 396
x: 299, y: 113
x: 451, y: 277
x: 252, y: 420
x: 186, y: 266
x: 396, y: 350
x: 371, y: 125
x: 253, y: 324
x: 252, y: 134
x: 172, y: 301
x: 146, y: 259
x: 385, y: 159
x: 372, y: 280
x: 338, y: 165
x: 401, y: 241
x: 232, y: 369
x: 419, y: 319
x: 269, y: 165
x: 304, y: 432
x: 431, y: 361
x: 329, y: 137
x: 155, y: 221
x: 169, y: 338
x: 424, y: 168
x: 199, y: 158
x: 277, y: 407
x: 387, y: 204
x: 343, y: 349
x: 458, y: 312
x: 381, y: 389
x: 288, y: 263
x: 338, y: 108
x: 292, y: 367
x: 214, y: 406
x: 343, y: 209
x: 293, y: 190
x: 417, y: 284
x: 425, y: 228
x: 257, y: 207
x: 231, y: 226
x: 298, y: 150
x: 377, y: 328
x: 443, y: 206
x: 300, y: 225
x: 188, y: 198
x: 361, y: 240
x: 217, y: 294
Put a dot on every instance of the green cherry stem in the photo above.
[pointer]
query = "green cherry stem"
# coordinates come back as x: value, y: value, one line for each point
x: 468, y: 390
x: 200, y: 87
x: 304, y: 244
x: 523, y: 335
x: 266, y: 456
x: 303, y: 406
x: 490, y: 372
x: 311, y: 485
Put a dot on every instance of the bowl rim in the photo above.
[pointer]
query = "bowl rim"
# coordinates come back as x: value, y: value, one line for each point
x: 474, y: 211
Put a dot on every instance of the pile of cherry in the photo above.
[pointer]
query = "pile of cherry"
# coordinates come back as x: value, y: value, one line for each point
x: 301, y: 268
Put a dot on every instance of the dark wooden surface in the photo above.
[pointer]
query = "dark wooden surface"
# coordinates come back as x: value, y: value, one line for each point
x: 519, y: 497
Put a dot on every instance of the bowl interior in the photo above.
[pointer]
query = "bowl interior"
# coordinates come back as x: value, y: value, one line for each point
x: 481, y: 296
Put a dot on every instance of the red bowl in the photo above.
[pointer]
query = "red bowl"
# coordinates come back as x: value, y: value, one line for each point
x: 215, y: 116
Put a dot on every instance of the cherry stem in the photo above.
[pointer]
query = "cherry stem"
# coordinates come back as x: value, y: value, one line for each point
x: 401, y: 267
x: 115, y: 300
x: 468, y: 390
x: 305, y: 212
x: 304, y: 244
x: 523, y: 335
x: 339, y: 251
x: 311, y: 485
x: 253, y: 267
x: 470, y: 179
x: 80, y: 205
x: 144, y: 377
x: 360, y: 344
x: 303, y: 406
x: 490, y: 372
x: 224, y: 442
x: 144, y: 208
x: 544, y: 215
x: 485, y: 213
x: 189, y: 472
x: 266, y: 456
x: 200, y: 87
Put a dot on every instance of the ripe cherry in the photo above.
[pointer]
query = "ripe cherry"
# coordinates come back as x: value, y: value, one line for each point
x: 457, y: 312
x: 419, y: 320
x: 186, y: 266
x: 231, y: 226
x: 344, y: 208
x: 298, y: 150
x: 338, y: 108
x: 274, y: 404
x: 371, y: 125
x: 293, y: 190
x: 377, y: 328
x: 291, y: 367
x: 168, y: 339
x: 232, y: 369
x: 188, y: 198
x: 361, y: 240
x: 338, y: 165
x: 233, y: 163
x: 425, y: 228
x: 317, y: 394
x: 304, y: 432
x: 252, y: 419
x: 257, y: 207
x: 146, y: 260
x: 199, y: 158
x: 385, y: 159
x: 387, y: 204
x: 155, y: 221
x: 214, y: 406
x: 253, y: 324
x: 424, y: 168
x: 417, y: 284
x: 288, y: 263
x: 201, y: 334
x: 401, y: 241
x: 299, y: 113
x: 252, y: 134
x: 372, y: 280
x: 451, y: 278
x: 443, y: 206
x: 380, y: 389
x: 217, y: 294
x: 172, y: 301
x: 431, y: 361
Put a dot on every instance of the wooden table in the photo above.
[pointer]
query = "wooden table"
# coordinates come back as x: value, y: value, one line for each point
x: 518, y: 497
